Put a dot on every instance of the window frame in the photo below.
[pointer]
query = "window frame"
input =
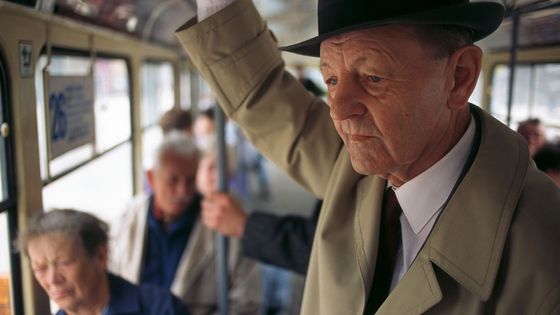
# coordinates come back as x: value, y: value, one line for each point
x: 531, y: 63
x: 71, y: 52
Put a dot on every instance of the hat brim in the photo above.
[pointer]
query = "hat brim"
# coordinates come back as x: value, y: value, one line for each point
x: 482, y: 18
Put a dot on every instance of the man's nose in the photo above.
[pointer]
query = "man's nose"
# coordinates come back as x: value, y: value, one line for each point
x: 182, y: 188
x: 54, y: 276
x: 345, y: 100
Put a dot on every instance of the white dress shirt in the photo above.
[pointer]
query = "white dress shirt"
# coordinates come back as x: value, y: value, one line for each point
x: 423, y: 197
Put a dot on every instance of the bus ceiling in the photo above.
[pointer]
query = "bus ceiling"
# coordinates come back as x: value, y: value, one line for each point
x: 292, y: 21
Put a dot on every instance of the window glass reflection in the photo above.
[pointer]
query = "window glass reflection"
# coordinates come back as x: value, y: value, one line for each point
x: 157, y: 91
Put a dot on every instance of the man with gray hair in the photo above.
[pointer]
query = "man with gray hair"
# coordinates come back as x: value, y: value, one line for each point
x: 430, y: 204
x: 159, y: 239
x: 68, y: 252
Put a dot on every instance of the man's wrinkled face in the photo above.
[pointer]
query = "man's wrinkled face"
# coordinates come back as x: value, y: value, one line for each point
x: 173, y: 183
x: 65, y: 270
x: 387, y: 97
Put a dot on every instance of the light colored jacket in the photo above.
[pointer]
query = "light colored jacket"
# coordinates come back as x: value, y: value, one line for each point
x: 195, y: 282
x: 494, y: 248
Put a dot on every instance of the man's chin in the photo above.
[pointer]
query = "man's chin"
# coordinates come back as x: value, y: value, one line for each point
x: 177, y: 211
x: 65, y: 303
x: 368, y: 168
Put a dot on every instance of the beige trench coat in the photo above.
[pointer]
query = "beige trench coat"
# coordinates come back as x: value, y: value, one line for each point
x: 494, y: 249
x: 195, y: 281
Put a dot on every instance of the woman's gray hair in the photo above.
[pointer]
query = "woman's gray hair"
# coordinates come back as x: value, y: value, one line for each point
x: 177, y: 142
x: 91, y: 231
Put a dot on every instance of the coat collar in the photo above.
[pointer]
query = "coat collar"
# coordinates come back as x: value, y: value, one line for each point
x: 479, y: 213
x: 468, y: 239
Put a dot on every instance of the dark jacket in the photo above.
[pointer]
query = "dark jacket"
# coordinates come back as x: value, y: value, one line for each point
x: 127, y: 298
x: 283, y: 241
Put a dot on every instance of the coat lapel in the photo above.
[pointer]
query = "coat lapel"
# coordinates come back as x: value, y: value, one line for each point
x: 194, y: 260
x: 138, y: 240
x: 417, y: 291
x: 366, y: 227
x: 468, y: 240
x: 332, y: 284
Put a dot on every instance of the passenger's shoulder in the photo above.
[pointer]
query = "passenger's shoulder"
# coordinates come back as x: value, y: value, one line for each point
x: 139, y: 203
x: 540, y: 200
x: 534, y: 230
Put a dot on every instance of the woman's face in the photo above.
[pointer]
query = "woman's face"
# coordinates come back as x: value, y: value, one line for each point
x: 64, y: 269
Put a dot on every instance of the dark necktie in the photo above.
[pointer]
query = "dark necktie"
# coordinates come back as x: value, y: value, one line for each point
x: 389, y: 244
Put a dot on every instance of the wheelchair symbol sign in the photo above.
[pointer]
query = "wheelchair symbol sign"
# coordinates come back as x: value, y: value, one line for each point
x: 26, y: 59
x: 59, y: 123
x: 70, y: 113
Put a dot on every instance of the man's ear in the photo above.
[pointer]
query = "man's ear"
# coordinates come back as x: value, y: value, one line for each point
x: 103, y: 255
x: 150, y: 177
x: 465, y: 64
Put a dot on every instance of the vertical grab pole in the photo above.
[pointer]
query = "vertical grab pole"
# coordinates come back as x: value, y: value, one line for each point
x: 512, y: 62
x: 46, y: 107
x: 222, y: 241
x: 93, y: 56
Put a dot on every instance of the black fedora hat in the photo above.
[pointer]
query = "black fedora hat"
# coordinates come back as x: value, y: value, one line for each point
x: 340, y: 16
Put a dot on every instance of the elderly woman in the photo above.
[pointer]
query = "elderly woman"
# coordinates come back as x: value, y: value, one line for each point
x: 68, y: 251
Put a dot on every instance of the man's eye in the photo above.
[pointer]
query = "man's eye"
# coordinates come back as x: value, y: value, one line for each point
x: 331, y: 81
x: 39, y: 269
x: 66, y: 262
x: 374, y: 78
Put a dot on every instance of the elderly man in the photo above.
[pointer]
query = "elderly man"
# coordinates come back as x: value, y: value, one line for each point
x: 68, y: 254
x: 478, y: 231
x: 159, y: 239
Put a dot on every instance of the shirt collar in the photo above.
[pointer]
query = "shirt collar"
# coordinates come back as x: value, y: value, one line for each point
x: 423, y: 196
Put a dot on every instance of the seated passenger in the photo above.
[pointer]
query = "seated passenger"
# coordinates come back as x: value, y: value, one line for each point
x: 158, y: 238
x: 533, y: 132
x: 548, y: 161
x: 68, y: 254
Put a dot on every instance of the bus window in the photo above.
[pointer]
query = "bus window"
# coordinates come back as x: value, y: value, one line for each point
x: 112, y: 103
x: 157, y: 91
x: 535, y: 95
x: 97, y: 179
x: 157, y: 97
